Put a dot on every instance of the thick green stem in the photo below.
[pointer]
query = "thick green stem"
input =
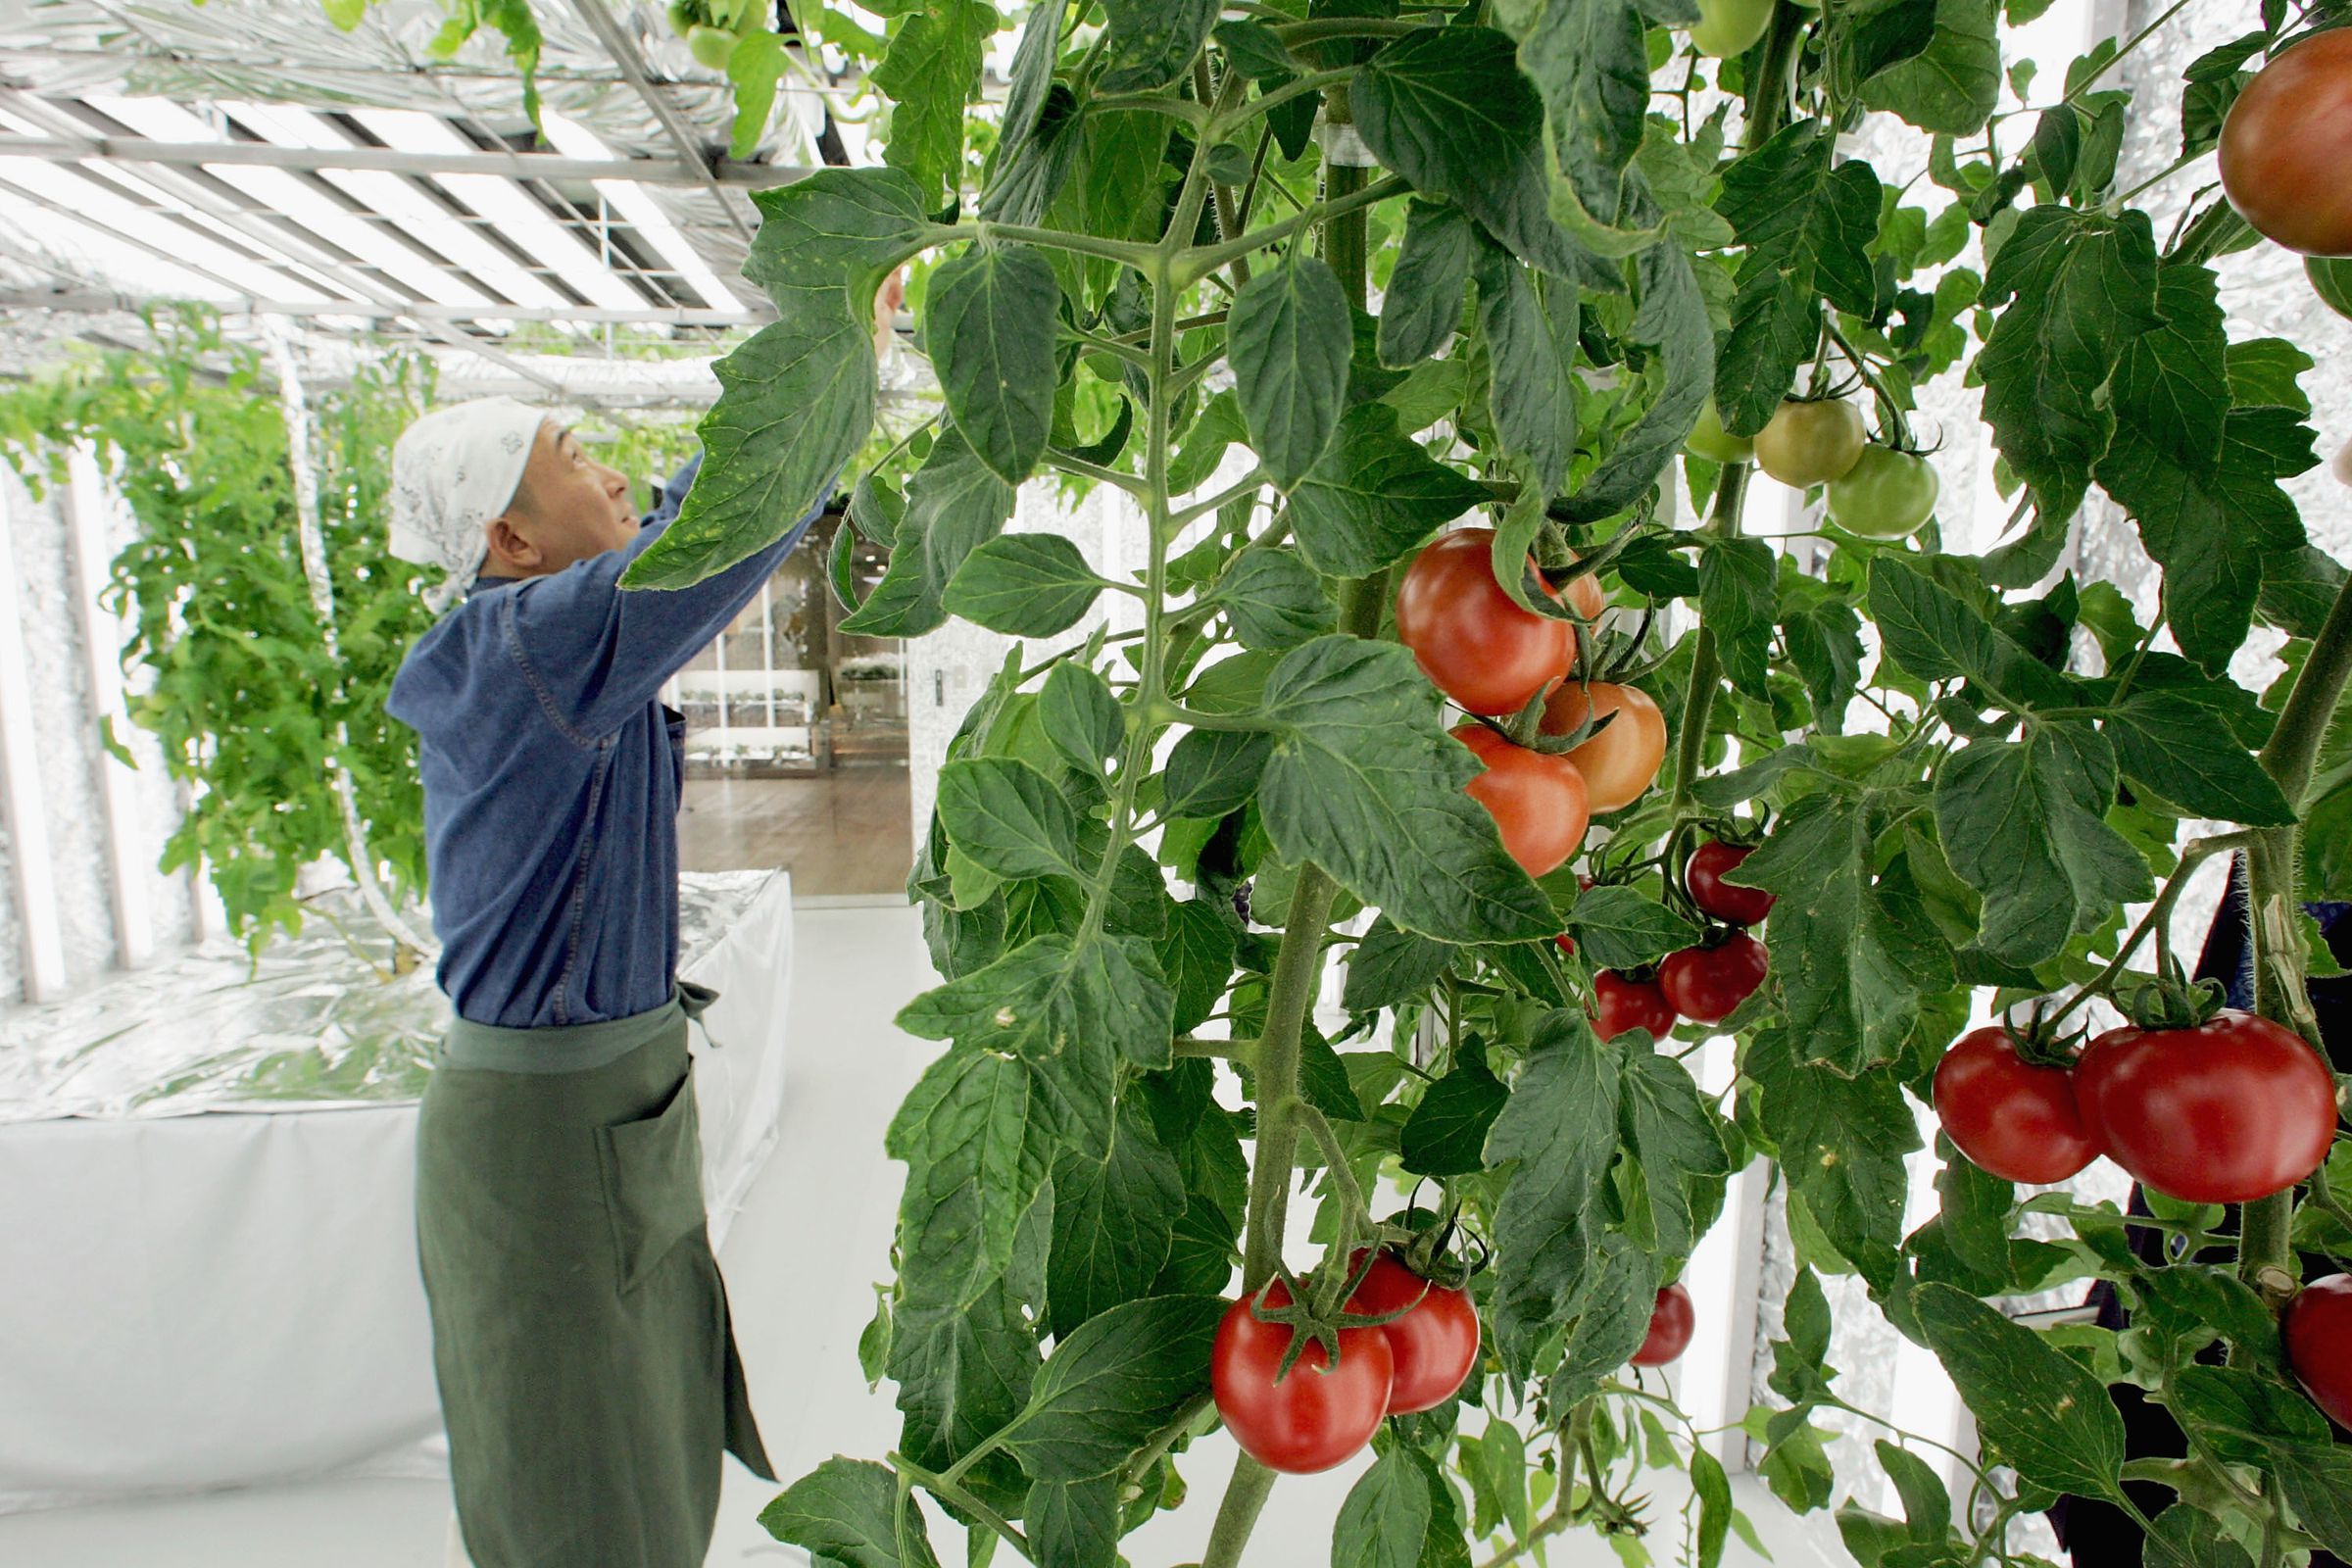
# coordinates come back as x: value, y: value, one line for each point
x: 1237, y: 1515
x: 1706, y: 664
x: 2265, y: 1256
x: 1344, y: 236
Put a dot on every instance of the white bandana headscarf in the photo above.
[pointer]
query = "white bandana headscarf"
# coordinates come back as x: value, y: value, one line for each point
x: 453, y: 471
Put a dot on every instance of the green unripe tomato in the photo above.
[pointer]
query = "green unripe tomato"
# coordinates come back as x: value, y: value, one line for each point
x: 1885, y: 495
x: 711, y: 46
x: 1810, y: 443
x: 2332, y: 277
x: 684, y: 17
x: 1708, y: 439
x: 1726, y: 29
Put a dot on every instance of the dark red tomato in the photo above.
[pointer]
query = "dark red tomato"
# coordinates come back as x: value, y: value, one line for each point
x: 2287, y: 143
x: 1472, y: 642
x: 1670, y: 1324
x: 2016, y: 1120
x: 1704, y: 984
x: 1434, y: 1346
x: 1620, y: 1003
x: 1725, y: 901
x: 2318, y: 1327
x: 1319, y: 1414
x: 1537, y: 800
x: 2236, y: 1109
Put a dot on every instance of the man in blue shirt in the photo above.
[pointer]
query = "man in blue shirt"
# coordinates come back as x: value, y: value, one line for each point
x: 582, y: 1344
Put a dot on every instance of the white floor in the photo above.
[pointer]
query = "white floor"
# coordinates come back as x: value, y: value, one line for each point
x: 829, y: 1193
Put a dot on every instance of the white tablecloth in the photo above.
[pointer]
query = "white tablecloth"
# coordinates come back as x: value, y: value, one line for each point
x: 195, y: 1301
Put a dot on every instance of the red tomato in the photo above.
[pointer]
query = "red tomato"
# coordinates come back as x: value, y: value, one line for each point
x: 1537, y: 800
x: 2236, y: 1109
x: 1725, y: 901
x: 1567, y: 943
x: 1319, y: 1414
x: 1434, y: 1346
x: 1704, y: 984
x: 1620, y: 1003
x: 1472, y: 642
x: 1622, y: 759
x: 2287, y: 143
x: 2318, y: 1327
x: 1671, y: 1321
x: 2016, y: 1120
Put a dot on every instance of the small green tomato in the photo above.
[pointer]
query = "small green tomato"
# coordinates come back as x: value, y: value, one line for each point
x: 1708, y: 439
x: 1885, y: 495
x: 710, y: 46
x: 1728, y: 28
x: 1810, y: 443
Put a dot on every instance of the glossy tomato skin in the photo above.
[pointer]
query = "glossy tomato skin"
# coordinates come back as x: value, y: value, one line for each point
x: 1472, y: 642
x: 1704, y: 984
x: 1671, y: 1322
x: 1725, y: 901
x: 1433, y: 1346
x: 1317, y: 1417
x: 1621, y: 760
x: 2236, y: 1109
x: 2286, y: 146
x: 1811, y: 443
x: 1620, y: 1003
x: 1537, y: 800
x: 2015, y: 1120
x: 2317, y: 1329
x: 1885, y: 495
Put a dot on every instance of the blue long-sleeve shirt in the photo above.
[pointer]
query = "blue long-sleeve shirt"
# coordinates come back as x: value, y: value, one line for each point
x: 552, y: 773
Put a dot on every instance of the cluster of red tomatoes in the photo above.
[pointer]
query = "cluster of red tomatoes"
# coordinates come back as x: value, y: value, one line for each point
x: 1493, y: 658
x: 1702, y: 983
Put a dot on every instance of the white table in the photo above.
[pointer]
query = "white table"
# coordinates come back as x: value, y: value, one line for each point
x: 208, y: 1267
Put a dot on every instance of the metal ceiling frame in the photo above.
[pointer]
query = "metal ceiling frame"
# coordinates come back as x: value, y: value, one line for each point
x: 513, y: 166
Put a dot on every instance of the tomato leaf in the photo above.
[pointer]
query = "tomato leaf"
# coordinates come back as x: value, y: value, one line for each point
x: 1531, y: 348
x: 1025, y: 585
x: 1385, y: 1517
x: 2170, y: 747
x: 1375, y: 495
x: 1009, y: 817
x: 1391, y: 965
x: 931, y: 72
x: 1589, y: 64
x: 954, y: 506
x: 1152, y: 41
x: 1214, y: 771
x: 1713, y: 1488
x: 1672, y: 316
x: 1111, y: 1383
x: 1824, y: 639
x: 1842, y: 1144
x: 1081, y: 718
x: 1289, y: 342
x: 2044, y: 1413
x: 2317, y: 1486
x: 1447, y: 1133
x: 1671, y: 1134
x: 1738, y: 596
x: 1196, y: 959
x: 981, y: 325
x: 1953, y: 83
x: 824, y: 241
x: 1274, y: 601
x: 1617, y: 928
x: 1113, y: 1218
x: 850, y: 1511
x: 2172, y: 385
x: 1423, y: 305
x: 1363, y: 785
x: 1075, y: 1524
x: 1560, y: 1126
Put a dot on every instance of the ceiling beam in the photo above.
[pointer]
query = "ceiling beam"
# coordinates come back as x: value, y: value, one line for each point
x: 665, y: 172
x: 624, y: 54
x: 100, y: 300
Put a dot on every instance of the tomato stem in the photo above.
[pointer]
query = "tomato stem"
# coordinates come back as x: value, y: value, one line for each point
x: 1706, y: 664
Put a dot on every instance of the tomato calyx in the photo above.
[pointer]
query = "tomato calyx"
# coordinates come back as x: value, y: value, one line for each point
x: 2172, y: 1002
x: 2039, y: 1043
x: 1315, y: 1313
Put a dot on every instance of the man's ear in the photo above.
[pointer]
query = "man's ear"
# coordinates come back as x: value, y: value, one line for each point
x: 510, y: 546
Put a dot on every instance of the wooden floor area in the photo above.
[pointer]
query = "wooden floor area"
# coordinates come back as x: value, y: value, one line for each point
x: 843, y: 833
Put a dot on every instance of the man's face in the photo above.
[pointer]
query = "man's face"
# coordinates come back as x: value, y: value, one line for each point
x: 570, y: 507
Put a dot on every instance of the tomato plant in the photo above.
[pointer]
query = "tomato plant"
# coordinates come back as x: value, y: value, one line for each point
x: 2015, y: 1118
x: 1379, y: 324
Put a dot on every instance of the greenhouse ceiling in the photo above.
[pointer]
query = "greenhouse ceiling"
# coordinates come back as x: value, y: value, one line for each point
x: 250, y: 154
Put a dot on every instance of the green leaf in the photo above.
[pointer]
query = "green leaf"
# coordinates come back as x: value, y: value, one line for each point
x: 1618, y: 928
x: 2023, y: 823
x: 2079, y: 289
x: 1081, y: 718
x: 1955, y: 84
x: 1589, y: 62
x: 1274, y: 600
x: 1806, y: 222
x: 2243, y: 1418
x: 1672, y: 316
x: 1061, y: 1005
x: 1112, y: 1222
x: 1824, y: 638
x: 1323, y: 1080
x: 982, y: 318
x: 825, y: 241
x: 1391, y: 965
x: 1926, y: 1505
x: 976, y: 1166
x: 2317, y: 1486
x: 1196, y: 959
x: 1841, y: 1142
x: 1739, y: 595
x: 1447, y: 1133
x: 848, y: 1511
x: 932, y: 71
x: 1023, y: 584
x: 1423, y: 305
x: 1217, y: 426
x: 1385, y: 1517
x: 1214, y: 771
x: 1374, y: 496
x: 1531, y: 347
x: 1610, y: 1315
x: 1671, y: 1134
x: 963, y: 1371
x: 954, y: 506
x: 2170, y: 747
x: 2044, y: 1413
x: 1854, y: 950
x: 1289, y: 341
x: 1074, y: 1524
x: 1362, y: 784
x: 1560, y: 1125
x: 1009, y: 817
x: 1152, y: 41
x: 1112, y: 1383
x: 1934, y: 635
x: 2172, y: 382
x: 795, y: 400
x: 1715, y: 1507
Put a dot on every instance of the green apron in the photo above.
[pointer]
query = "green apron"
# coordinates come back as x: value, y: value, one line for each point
x: 581, y: 1338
